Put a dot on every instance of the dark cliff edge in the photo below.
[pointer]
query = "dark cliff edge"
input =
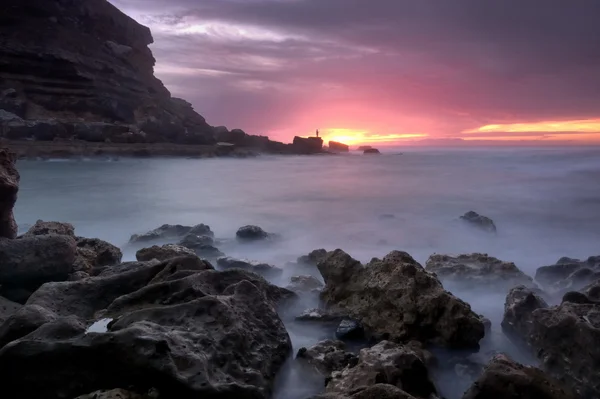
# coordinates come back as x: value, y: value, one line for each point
x: 80, y: 71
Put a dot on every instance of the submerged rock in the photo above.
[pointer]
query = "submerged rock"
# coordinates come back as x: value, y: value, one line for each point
x: 385, y: 363
x: 9, y: 188
x: 477, y: 272
x: 252, y: 233
x: 304, y: 284
x: 395, y: 298
x: 327, y: 356
x: 569, y: 274
x: 171, y: 232
x: 163, y: 252
x: 264, y: 269
x: 506, y: 379
x: 479, y: 221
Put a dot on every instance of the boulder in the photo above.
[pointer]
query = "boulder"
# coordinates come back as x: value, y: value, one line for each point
x: 505, y: 379
x: 9, y: 187
x: 162, y: 252
x: 335, y: 146
x: 479, y: 221
x: 396, y: 299
x: 313, y: 257
x: 569, y: 274
x: 93, y: 253
x: 327, y: 356
x: 29, y: 262
x: 304, y: 284
x: 251, y: 233
x: 264, y: 269
x: 307, y: 145
x: 477, y: 272
x: 24, y: 321
x: 371, y: 151
x: 202, y: 245
x: 385, y: 363
x: 50, y: 228
x: 171, y: 232
x: 520, y: 302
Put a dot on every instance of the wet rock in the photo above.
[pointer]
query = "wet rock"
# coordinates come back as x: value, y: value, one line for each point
x: 327, y: 356
x: 313, y: 257
x: 395, y: 298
x: 349, y: 330
x: 251, y: 233
x: 29, y: 262
x: 320, y: 315
x: 385, y: 363
x: 506, y: 379
x: 49, y: 228
x: 163, y: 252
x: 520, y: 302
x: 477, y: 272
x: 264, y: 269
x: 9, y: 187
x: 24, y: 321
x: 7, y: 309
x: 171, y: 232
x: 304, y: 284
x: 479, y: 221
x: 228, y: 345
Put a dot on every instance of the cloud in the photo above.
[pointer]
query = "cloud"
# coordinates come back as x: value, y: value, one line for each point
x: 388, y: 67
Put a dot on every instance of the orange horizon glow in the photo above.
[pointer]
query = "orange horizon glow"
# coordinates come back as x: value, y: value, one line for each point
x: 362, y: 137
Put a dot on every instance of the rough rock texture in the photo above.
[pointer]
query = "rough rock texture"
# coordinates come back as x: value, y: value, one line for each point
x: 171, y: 232
x: 313, y: 257
x: 202, y: 245
x: 7, y: 309
x: 304, y: 284
x: 24, y: 321
x: 349, y: 330
x: 93, y: 253
x: 385, y: 363
x: 335, y: 146
x: 327, y: 356
x: 162, y: 252
x: 506, y: 379
x: 477, y: 272
x: 569, y: 274
x: 264, y: 269
x: 479, y: 221
x: 9, y: 187
x: 117, y: 394
x: 396, y: 299
x: 252, y: 233
x: 563, y: 337
x: 50, y: 228
x: 27, y: 263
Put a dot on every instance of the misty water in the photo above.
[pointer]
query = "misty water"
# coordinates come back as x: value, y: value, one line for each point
x: 545, y: 203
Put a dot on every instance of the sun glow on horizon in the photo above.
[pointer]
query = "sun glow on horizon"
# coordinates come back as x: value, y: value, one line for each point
x: 361, y: 137
x: 582, y: 125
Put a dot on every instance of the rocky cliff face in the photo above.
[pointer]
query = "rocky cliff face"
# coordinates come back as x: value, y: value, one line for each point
x: 82, y: 69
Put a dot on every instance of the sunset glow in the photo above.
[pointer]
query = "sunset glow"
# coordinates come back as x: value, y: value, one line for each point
x: 358, y: 137
x: 584, y: 126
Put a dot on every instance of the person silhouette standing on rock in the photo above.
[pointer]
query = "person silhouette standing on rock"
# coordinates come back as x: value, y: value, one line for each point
x: 317, y: 132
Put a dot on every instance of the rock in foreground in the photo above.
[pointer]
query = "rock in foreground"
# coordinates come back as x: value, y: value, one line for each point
x: 171, y: 232
x: 9, y: 187
x: 477, y: 272
x: 396, y: 299
x: 506, y: 379
x: 164, y: 252
x: 479, y: 221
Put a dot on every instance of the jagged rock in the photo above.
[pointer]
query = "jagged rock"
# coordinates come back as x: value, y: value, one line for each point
x: 592, y: 291
x: 327, y: 356
x: 7, y: 309
x: 226, y: 345
x: 50, y: 228
x: 29, y: 262
x: 320, y: 315
x: 202, y: 246
x: 93, y: 253
x: 477, y: 272
x: 335, y: 146
x: 162, y: 252
x: 479, y: 221
x: 520, y: 302
x: 171, y: 232
x: 251, y: 233
x: 349, y: 330
x: 387, y: 363
x: 397, y: 299
x: 24, y: 321
x: 371, y: 151
x: 9, y: 187
x: 264, y: 269
x: 569, y: 274
x: 313, y: 257
x: 506, y: 379
x: 304, y: 284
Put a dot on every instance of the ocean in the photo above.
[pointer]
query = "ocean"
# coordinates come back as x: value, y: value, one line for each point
x: 545, y: 203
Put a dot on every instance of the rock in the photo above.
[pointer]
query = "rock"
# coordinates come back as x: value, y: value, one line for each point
x: 50, y: 228
x: 349, y: 330
x: 24, y: 321
x: 327, y: 356
x: 335, y: 146
x: 93, y: 253
x: 477, y: 272
x: 320, y: 315
x: 371, y: 151
x: 520, y: 302
x: 264, y: 269
x: 227, y: 345
x: 479, y: 221
x: 171, y: 232
x: 395, y: 298
x: 162, y: 252
x: 304, y: 284
x: 251, y: 233
x: 313, y: 257
x: 308, y: 145
x: 202, y: 246
x: 7, y: 309
x: 9, y: 187
x: 385, y: 363
x: 506, y: 379
x: 364, y: 147
x: 30, y: 262
x: 113, y: 394
x: 569, y: 274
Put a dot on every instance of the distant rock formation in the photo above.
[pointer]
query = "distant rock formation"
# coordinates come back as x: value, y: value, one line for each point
x: 335, y: 146
x: 364, y: 147
x: 308, y: 145
x: 371, y: 151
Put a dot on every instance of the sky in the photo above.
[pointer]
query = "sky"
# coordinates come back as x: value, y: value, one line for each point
x: 385, y: 71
